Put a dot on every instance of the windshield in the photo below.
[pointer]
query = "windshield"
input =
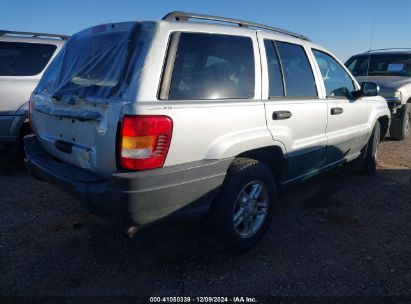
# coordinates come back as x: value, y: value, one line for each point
x: 381, y: 65
x: 96, y: 63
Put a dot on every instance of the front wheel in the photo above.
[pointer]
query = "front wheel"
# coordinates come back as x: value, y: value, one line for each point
x: 242, y: 212
x: 371, y: 150
x: 401, y: 123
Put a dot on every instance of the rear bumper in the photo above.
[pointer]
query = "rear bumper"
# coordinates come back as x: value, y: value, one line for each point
x: 170, y: 193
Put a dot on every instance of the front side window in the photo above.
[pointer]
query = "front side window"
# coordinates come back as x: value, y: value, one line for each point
x: 298, y: 75
x: 24, y: 59
x: 337, y: 82
x: 212, y: 66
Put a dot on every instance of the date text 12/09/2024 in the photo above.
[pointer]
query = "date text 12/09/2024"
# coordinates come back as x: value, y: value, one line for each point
x: 203, y: 300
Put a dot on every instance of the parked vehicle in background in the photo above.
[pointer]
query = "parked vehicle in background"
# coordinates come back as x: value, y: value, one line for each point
x: 391, y: 70
x: 23, y: 58
x: 155, y: 121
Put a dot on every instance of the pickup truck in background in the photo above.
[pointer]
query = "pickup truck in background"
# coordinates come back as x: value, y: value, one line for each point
x: 391, y: 70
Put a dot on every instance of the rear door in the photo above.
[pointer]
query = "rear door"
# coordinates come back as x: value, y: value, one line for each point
x: 347, y: 115
x: 294, y: 113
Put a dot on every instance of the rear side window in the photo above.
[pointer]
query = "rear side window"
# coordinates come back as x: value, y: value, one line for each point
x: 212, y: 66
x: 298, y: 75
x: 274, y: 70
x: 24, y: 59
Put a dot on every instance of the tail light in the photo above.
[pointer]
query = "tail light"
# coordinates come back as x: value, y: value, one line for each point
x: 144, y: 141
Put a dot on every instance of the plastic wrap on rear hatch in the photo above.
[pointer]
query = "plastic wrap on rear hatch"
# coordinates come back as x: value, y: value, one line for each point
x: 98, y: 64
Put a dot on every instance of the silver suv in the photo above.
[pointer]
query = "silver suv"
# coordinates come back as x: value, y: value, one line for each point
x: 391, y: 70
x: 157, y: 121
x: 23, y: 58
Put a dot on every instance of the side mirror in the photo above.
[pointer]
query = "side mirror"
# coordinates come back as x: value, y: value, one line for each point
x: 370, y: 89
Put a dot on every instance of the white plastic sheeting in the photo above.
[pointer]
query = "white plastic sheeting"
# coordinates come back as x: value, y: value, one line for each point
x: 101, y: 64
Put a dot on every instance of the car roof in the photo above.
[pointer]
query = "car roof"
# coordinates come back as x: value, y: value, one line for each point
x: 30, y: 37
x: 178, y: 16
x: 183, y: 21
x: 385, y: 52
x: 212, y: 27
x: 209, y: 27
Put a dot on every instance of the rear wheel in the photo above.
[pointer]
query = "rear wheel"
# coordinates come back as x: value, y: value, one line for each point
x: 17, y: 149
x: 401, y: 123
x: 371, y: 150
x: 242, y: 212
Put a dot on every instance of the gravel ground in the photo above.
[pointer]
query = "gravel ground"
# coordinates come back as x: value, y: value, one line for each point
x: 339, y: 234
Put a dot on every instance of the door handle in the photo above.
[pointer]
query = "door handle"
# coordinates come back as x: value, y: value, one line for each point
x: 337, y: 111
x: 281, y: 115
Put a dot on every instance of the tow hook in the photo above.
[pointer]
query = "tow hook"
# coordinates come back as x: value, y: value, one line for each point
x: 131, y: 231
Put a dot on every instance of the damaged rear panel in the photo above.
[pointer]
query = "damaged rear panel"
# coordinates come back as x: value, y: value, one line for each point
x: 77, y: 105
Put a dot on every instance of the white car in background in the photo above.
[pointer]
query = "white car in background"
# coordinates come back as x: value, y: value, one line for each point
x: 23, y: 58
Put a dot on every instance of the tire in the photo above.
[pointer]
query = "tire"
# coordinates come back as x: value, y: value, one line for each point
x: 401, y: 123
x: 17, y: 149
x: 228, y: 216
x: 371, y: 150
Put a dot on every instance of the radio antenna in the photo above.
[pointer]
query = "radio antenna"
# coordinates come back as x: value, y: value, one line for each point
x: 371, y: 41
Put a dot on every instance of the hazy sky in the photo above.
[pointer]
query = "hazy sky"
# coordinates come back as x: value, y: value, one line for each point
x: 343, y: 26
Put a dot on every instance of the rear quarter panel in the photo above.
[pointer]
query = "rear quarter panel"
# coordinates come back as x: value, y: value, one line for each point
x: 14, y: 92
x: 212, y: 131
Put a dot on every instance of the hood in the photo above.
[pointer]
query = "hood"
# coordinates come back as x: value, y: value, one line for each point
x: 386, y: 83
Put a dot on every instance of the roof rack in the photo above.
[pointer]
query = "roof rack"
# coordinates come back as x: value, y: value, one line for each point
x: 388, y: 49
x: 63, y: 37
x: 183, y: 16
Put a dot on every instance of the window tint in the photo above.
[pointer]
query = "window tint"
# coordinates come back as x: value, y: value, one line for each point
x: 337, y: 82
x: 24, y: 59
x: 211, y: 66
x: 274, y: 70
x: 298, y: 76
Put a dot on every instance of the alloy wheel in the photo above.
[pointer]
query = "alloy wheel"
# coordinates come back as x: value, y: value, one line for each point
x: 250, y: 209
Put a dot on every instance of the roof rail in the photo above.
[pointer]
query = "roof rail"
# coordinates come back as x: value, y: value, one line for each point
x: 63, y: 37
x: 183, y: 16
x: 387, y: 49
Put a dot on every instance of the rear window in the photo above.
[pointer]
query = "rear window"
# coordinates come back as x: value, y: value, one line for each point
x: 24, y: 59
x: 380, y: 65
x: 213, y: 66
x: 96, y: 63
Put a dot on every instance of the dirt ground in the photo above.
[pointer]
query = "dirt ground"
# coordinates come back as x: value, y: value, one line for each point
x: 339, y: 234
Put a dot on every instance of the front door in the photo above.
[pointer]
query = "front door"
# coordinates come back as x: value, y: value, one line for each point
x: 347, y: 115
x: 295, y: 115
